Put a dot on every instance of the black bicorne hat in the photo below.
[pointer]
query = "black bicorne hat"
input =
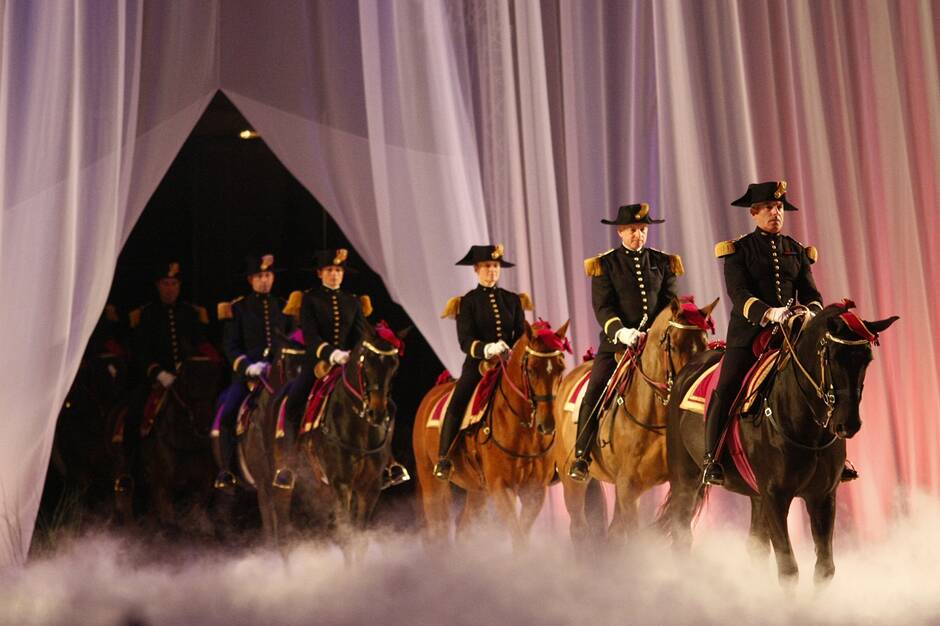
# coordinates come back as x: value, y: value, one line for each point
x: 633, y: 214
x: 260, y: 263
x: 329, y: 258
x: 771, y: 191
x: 480, y: 254
x: 169, y: 269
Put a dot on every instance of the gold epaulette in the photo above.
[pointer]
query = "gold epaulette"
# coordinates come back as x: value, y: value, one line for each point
x: 134, y: 317
x: 293, y: 304
x: 675, y: 264
x: 812, y: 253
x: 724, y: 248
x: 452, y: 308
x: 202, y: 313
x: 593, y: 267
x: 526, y: 302
x: 225, y: 311
x: 366, y: 303
x: 110, y: 313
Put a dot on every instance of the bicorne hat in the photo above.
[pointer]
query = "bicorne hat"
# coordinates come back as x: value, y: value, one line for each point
x: 328, y: 258
x: 633, y: 214
x: 169, y: 269
x: 771, y: 191
x: 260, y: 263
x: 480, y: 254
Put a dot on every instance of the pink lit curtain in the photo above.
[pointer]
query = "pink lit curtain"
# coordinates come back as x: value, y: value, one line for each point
x: 424, y: 127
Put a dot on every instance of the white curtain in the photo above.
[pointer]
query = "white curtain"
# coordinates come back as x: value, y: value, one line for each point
x: 424, y: 127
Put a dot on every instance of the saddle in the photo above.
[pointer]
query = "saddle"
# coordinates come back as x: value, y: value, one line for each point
x: 156, y: 399
x: 316, y: 403
x: 476, y: 408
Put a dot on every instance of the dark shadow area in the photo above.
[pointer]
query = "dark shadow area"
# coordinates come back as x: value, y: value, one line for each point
x: 222, y: 198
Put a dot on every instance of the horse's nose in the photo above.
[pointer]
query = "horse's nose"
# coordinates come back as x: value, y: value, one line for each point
x: 546, y: 429
x: 842, y: 431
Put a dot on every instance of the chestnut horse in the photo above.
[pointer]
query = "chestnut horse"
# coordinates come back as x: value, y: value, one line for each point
x: 508, y: 455
x: 632, y: 450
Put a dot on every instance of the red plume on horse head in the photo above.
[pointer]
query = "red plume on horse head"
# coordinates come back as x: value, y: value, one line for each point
x: 554, y: 340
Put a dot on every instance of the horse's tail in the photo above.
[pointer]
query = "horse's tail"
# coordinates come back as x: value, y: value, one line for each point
x: 671, y: 508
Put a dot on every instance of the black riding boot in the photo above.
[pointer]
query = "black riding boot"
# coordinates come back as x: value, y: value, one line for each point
x: 226, y: 480
x: 449, y: 430
x: 587, y: 432
x: 712, y: 473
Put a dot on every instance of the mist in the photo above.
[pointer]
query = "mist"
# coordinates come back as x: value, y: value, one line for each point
x: 104, y: 579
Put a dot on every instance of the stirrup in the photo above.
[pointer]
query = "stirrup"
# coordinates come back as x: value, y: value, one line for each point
x: 393, y: 478
x: 849, y: 473
x: 283, y: 478
x: 443, y: 469
x: 123, y: 483
x: 225, y: 480
x: 712, y: 472
x: 580, y: 469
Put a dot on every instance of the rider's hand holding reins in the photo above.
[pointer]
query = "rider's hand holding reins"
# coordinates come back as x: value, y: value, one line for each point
x: 339, y: 357
x: 166, y: 379
x: 494, y: 349
x: 256, y: 369
x: 777, y: 315
x: 628, y: 336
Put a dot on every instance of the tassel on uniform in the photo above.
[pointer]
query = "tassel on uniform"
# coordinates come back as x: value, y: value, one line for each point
x: 292, y: 307
x: 366, y: 303
x: 452, y: 309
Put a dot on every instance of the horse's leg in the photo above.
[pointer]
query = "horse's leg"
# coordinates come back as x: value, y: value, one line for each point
x: 473, y: 509
x: 434, y: 499
x: 533, y: 499
x: 504, y: 499
x: 625, y: 520
x: 776, y: 507
x: 758, y: 540
x: 575, y: 498
x: 822, y: 517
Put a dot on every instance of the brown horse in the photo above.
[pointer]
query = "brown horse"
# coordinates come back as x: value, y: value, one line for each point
x: 631, y: 451
x: 508, y: 455
x: 176, y: 456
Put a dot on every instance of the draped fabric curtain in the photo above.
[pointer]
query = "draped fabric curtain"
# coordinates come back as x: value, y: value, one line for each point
x: 424, y: 127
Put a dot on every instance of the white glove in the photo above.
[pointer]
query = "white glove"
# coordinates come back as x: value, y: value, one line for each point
x: 628, y: 336
x: 166, y: 379
x: 256, y: 369
x: 493, y: 349
x: 339, y: 357
x: 113, y: 370
x: 776, y: 314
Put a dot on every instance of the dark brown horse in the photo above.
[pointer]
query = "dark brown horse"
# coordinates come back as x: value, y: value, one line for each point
x: 176, y: 456
x: 795, y: 443
x: 508, y: 455
x: 632, y: 429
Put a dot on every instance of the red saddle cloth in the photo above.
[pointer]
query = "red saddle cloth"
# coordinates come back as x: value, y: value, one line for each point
x: 703, y: 388
x: 484, y: 391
x: 319, y: 393
x: 155, y: 402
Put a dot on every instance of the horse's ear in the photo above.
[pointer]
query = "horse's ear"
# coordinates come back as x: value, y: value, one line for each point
x: 707, y: 310
x: 562, y: 330
x: 404, y: 332
x: 881, y: 325
x: 675, y: 305
x: 528, y: 330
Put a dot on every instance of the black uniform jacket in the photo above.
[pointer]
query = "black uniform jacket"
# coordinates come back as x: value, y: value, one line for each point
x: 331, y: 320
x: 166, y: 335
x: 253, y: 326
x: 629, y: 289
x: 763, y: 270
x: 486, y: 315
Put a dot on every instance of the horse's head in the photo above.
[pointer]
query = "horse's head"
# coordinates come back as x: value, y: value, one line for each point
x: 375, y: 361
x: 538, y: 359
x: 681, y: 331
x: 832, y: 354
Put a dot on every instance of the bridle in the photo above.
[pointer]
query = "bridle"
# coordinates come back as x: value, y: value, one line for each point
x: 361, y: 390
x: 526, y: 393
x: 823, y: 388
x: 663, y: 389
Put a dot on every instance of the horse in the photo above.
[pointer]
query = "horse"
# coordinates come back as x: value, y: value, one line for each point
x: 348, y: 450
x: 508, y: 454
x: 176, y: 456
x: 795, y: 443
x: 631, y: 451
x: 80, y: 452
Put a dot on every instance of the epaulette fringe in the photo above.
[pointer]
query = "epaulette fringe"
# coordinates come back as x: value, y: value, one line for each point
x: 366, y: 303
x: 293, y: 304
x: 724, y: 248
x: 133, y: 318
x: 812, y: 253
x: 225, y: 311
x: 526, y: 301
x: 593, y: 267
x: 201, y: 313
x: 452, y: 308
x: 675, y: 264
